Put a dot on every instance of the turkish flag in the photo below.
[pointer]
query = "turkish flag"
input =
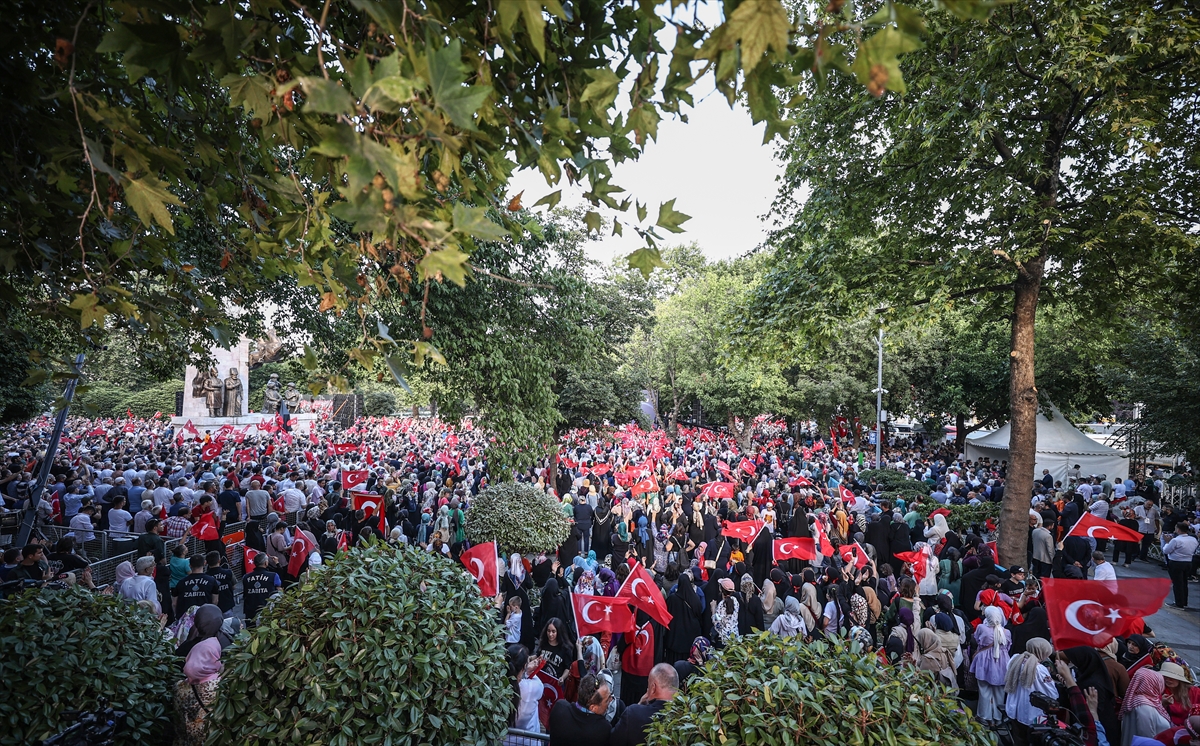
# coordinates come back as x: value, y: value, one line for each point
x: 800, y: 481
x: 918, y: 560
x: 311, y: 458
x: 855, y: 555
x: 723, y: 467
x: 366, y: 502
x: 640, y: 590
x: 343, y: 542
x: 846, y: 495
x: 248, y: 556
x: 600, y: 469
x: 351, y: 479
x: 97, y: 431
x: 369, y: 458
x: 747, y: 466
x: 818, y: 446
x: 452, y: 440
x: 833, y: 441
x: 278, y: 505
x: 1090, y: 525
x: 190, y: 428
x: 601, y: 614
x: 211, y: 452
x: 644, y: 485
x: 822, y: 540
x: 130, y: 428
x: 747, y: 531
x: 340, y: 448
x: 480, y: 561
x: 799, y: 548
x: 638, y: 657
x: 718, y: 490
x: 298, y: 556
x: 1093, y: 612
x: 205, y: 528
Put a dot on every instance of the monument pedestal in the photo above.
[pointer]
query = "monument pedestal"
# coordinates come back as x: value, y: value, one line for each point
x: 301, y: 423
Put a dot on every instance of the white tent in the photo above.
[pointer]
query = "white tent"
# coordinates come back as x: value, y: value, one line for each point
x: 1059, y: 447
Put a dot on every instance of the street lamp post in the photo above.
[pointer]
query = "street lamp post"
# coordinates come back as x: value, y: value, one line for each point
x: 879, y: 405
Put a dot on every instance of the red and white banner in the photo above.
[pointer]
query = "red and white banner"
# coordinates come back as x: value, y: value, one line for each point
x: 205, y: 528
x: 853, y: 554
x: 747, y: 531
x: 1090, y: 525
x: 799, y: 548
x: 601, y: 614
x: 481, y: 562
x: 1093, y: 612
x: 640, y: 590
x: 718, y: 490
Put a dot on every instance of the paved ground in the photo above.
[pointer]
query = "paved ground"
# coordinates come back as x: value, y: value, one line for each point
x: 1178, y: 628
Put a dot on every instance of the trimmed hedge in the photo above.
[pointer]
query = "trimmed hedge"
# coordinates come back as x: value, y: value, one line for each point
x: 519, y: 516
x: 381, y: 645
x: 766, y: 690
x: 64, y: 649
x: 108, y: 400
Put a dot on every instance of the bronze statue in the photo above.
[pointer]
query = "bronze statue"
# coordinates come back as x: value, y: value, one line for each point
x: 213, y: 398
x: 272, y: 395
x: 233, y: 394
x: 292, y: 397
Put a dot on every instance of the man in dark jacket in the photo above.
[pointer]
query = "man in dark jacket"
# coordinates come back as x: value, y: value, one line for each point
x: 630, y: 730
x: 584, y: 515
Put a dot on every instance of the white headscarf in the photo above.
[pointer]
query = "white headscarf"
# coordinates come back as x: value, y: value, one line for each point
x: 516, y: 569
x: 994, y: 618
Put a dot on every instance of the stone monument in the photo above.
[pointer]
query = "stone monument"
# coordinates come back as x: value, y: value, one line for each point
x: 272, y: 395
x: 234, y: 400
x: 292, y: 397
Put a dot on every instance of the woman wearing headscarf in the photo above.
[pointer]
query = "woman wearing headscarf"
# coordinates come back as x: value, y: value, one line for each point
x: 990, y: 664
x: 936, y: 530
x: 1091, y: 673
x: 699, y: 655
x: 196, y: 693
x: 602, y: 527
x: 1027, y: 674
x: 751, y: 620
x: 644, y: 538
x: 725, y: 610
x: 902, y: 641
x: 425, y: 530
x: 685, y: 608
x: 124, y: 572
x: 791, y: 622
x: 810, y: 601
x: 555, y: 604
x: 1142, y: 711
x: 620, y: 542
x: 1034, y: 624
x: 932, y: 657
x: 950, y: 575
x: 1136, y: 647
x: 1116, y: 672
x: 772, y: 604
x: 762, y: 551
x: 515, y: 584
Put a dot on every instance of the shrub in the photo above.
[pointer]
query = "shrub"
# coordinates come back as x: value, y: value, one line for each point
x: 379, y: 403
x: 64, y: 649
x: 766, y: 690
x: 381, y: 645
x: 519, y: 516
x: 963, y: 516
x: 107, y: 400
x: 894, y: 481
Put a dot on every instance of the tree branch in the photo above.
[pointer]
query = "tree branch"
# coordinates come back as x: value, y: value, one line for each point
x: 968, y: 293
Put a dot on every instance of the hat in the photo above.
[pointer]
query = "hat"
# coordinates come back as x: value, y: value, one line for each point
x: 1016, y: 570
x: 726, y: 584
x: 1172, y: 670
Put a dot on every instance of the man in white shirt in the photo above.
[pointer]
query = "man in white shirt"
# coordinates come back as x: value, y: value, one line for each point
x: 1119, y: 489
x: 1149, y: 523
x: 293, y: 500
x: 81, y: 524
x: 1099, y: 508
x: 1085, y: 489
x: 1104, y: 570
x: 1179, y: 552
x: 162, y: 494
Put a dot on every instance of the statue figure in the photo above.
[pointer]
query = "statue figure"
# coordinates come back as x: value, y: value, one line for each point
x: 233, y: 394
x: 292, y: 397
x: 198, y: 384
x: 212, y: 392
x: 272, y: 395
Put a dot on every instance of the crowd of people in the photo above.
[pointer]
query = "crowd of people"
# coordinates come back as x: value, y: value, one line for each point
x: 694, y: 510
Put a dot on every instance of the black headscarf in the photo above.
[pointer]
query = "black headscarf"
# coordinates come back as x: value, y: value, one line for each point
x: 1035, y: 625
x: 554, y: 603
x: 206, y: 623
x: 685, y: 608
x: 1090, y: 671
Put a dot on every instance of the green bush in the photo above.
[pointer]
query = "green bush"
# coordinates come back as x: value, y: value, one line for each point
x: 63, y: 650
x: 519, y: 516
x: 381, y: 645
x: 963, y: 516
x: 107, y: 400
x: 767, y: 690
x: 379, y: 403
x: 894, y: 481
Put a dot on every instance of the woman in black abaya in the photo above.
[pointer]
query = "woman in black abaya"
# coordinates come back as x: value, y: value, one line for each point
x: 685, y: 608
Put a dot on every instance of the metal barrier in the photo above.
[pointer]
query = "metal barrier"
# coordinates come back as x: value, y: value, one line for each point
x: 517, y: 737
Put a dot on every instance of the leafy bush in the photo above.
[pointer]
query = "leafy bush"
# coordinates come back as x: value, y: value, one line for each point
x: 520, y: 516
x: 63, y: 650
x: 107, y: 400
x: 379, y: 403
x: 767, y: 690
x: 381, y: 645
x: 894, y: 481
x: 963, y: 516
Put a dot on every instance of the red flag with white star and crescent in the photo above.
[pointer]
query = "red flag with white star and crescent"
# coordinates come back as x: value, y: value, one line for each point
x: 1093, y: 612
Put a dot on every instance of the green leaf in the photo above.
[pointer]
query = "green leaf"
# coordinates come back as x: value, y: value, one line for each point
x: 601, y: 92
x: 251, y: 93
x: 759, y: 25
x: 593, y: 221
x: 670, y: 218
x: 89, y: 309
x: 395, y: 87
x: 474, y: 222
x: 36, y: 376
x: 149, y: 199
x: 646, y: 259
x: 447, y: 73
x: 550, y: 200
x: 877, y: 65
x: 643, y: 120
x: 326, y: 96
x: 968, y: 10
x: 449, y: 262
x: 508, y: 11
x: 641, y: 211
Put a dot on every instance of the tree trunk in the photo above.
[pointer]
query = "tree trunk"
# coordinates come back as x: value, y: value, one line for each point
x: 1023, y: 404
x: 960, y: 433
x: 741, y: 434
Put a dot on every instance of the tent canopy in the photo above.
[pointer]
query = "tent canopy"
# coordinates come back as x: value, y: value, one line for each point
x: 1060, y: 445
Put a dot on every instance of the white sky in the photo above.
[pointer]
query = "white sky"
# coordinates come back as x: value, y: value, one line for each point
x: 714, y: 166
